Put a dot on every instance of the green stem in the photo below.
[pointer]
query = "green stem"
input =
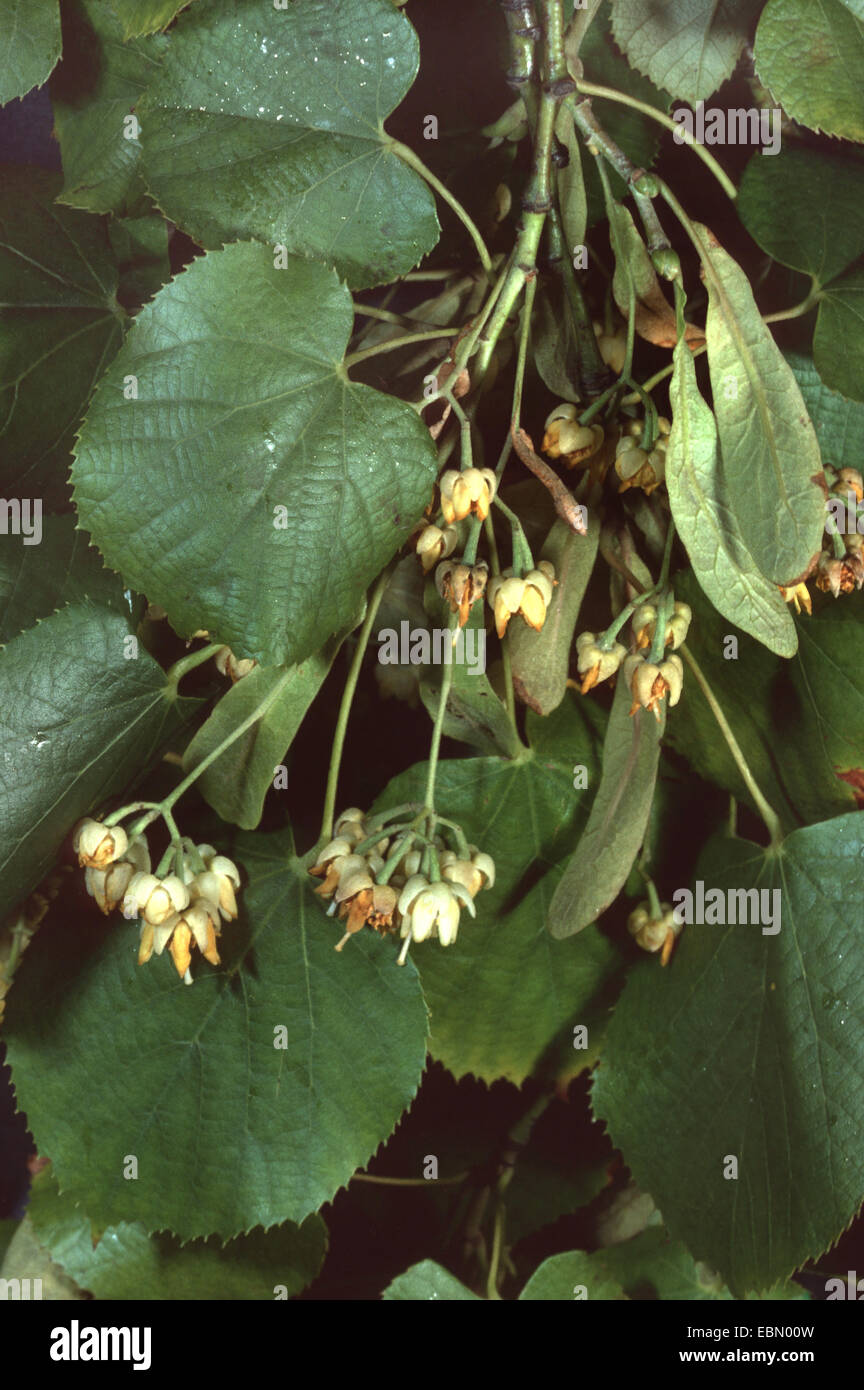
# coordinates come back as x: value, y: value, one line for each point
x: 345, y: 706
x: 591, y: 89
x: 437, y: 729
x: 509, y: 696
x: 524, y: 335
x: 393, y: 343
x: 175, y: 673
x: 768, y: 814
x: 407, y: 155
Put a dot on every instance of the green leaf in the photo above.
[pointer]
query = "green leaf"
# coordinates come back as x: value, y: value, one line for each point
x: 698, y: 496
x: 839, y: 423
x: 770, y: 451
x: 62, y: 569
x: 779, y: 713
x: 826, y: 190
x: 97, y: 85
x: 554, y: 345
x: 297, y: 474
x: 427, y: 1280
x: 207, y: 1091
x: 570, y: 183
x: 598, y: 867
x: 758, y: 1038
x: 573, y: 1276
x: 474, y: 713
x: 810, y: 52
x: 237, y: 782
x: 123, y: 1262
x: 29, y: 46
x: 502, y: 992
x: 541, y: 660
x: 651, y: 1266
x: 689, y: 47
x: 635, y: 134
x: 78, y: 719
x: 838, y: 343
x: 59, y: 327
x: 140, y: 245
x: 146, y: 16
x: 26, y: 1258
x: 292, y: 149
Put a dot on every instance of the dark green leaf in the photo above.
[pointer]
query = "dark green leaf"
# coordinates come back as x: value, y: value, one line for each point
x: 207, y: 1093
x: 238, y: 781
x: 757, y: 1038
x: 427, y: 1280
x: 810, y: 55
x: 146, y: 16
x: 123, y: 1262
x: 499, y: 996
x: 838, y: 343
x: 291, y: 149
x: 573, y: 1276
x: 298, y: 477
x: 689, y: 47
x: 78, y: 719
x: 94, y: 93
x: 59, y: 327
x: 37, y: 580
x: 826, y: 190
x: 29, y: 45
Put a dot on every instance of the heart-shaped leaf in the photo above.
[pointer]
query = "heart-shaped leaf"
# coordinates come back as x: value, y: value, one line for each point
x: 255, y: 1069
x: 291, y: 149
x: 29, y: 46
x: 754, y: 1033
x: 240, y: 401
x: 809, y: 55
x: 689, y: 47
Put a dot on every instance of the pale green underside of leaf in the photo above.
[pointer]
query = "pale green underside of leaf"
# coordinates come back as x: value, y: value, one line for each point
x: 767, y: 441
x: 826, y: 231
x: 146, y: 16
x: 128, y: 1264
x: 77, y: 721
x: 603, y: 857
x: 541, y: 660
x: 293, y: 150
x: 572, y: 1276
x: 757, y: 1039
x: 29, y: 45
x: 689, y: 47
x: 97, y: 86
x: 206, y: 1095
x: 237, y: 782
x: 58, y: 330
x: 699, y: 500
x: 474, y: 713
x: 244, y: 408
x: 838, y: 343
x: 427, y: 1281
x: 651, y: 1266
x: 810, y: 54
x: 504, y: 990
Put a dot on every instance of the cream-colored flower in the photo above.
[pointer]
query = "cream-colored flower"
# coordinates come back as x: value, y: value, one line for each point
x: 109, y: 886
x: 155, y: 899
x: 594, y: 663
x: 98, y: 845
x: 434, y: 544
x: 470, y: 490
x: 529, y: 596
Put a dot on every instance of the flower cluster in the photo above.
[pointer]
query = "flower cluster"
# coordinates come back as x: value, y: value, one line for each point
x: 374, y: 876
x: 650, y: 682
x: 177, y: 910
